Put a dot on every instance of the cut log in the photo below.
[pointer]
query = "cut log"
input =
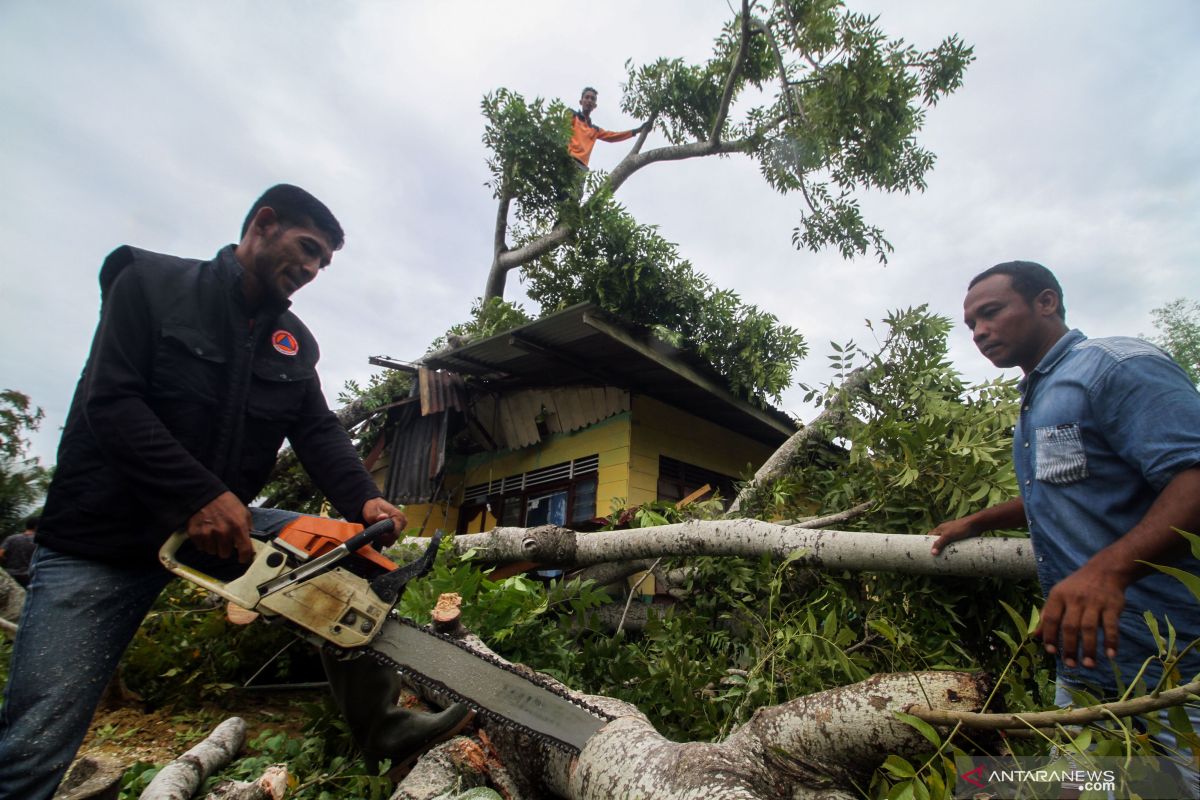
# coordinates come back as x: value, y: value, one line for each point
x: 180, y: 779
x: 271, y: 785
x: 447, y: 769
x: 91, y: 778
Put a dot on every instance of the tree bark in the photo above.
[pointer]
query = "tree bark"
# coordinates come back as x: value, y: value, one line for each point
x: 855, y: 385
x: 1138, y: 706
x: 271, y: 785
x: 180, y: 779
x: 506, y: 260
x: 816, y: 746
x: 1010, y: 558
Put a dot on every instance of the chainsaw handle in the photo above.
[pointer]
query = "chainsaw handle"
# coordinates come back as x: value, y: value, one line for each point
x: 367, y: 536
x: 166, y: 556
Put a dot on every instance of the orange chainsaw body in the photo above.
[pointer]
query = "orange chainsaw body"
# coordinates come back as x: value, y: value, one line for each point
x: 318, y: 535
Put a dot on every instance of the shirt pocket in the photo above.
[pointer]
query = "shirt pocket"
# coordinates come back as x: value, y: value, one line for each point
x: 188, y: 366
x: 277, y: 393
x: 1060, y: 455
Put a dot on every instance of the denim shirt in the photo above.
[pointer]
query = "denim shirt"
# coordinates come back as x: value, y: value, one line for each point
x: 1105, y: 424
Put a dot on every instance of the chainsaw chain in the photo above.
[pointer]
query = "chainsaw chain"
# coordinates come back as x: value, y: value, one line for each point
x: 437, y: 686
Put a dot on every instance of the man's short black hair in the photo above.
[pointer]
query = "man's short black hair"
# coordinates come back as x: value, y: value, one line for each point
x: 32, y: 522
x: 294, y: 206
x: 1029, y: 279
x: 587, y: 89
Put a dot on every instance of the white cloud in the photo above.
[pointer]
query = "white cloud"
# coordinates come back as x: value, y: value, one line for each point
x: 156, y: 124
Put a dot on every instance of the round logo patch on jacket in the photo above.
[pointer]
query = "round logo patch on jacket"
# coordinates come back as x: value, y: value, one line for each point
x: 285, y: 342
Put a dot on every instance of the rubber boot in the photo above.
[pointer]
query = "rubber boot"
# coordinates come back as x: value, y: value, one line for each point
x: 366, y: 691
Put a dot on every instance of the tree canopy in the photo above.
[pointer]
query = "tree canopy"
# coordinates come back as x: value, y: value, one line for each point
x: 22, y: 477
x: 820, y: 98
x: 1178, y: 327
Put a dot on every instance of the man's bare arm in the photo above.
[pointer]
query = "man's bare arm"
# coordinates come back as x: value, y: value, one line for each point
x: 1010, y: 514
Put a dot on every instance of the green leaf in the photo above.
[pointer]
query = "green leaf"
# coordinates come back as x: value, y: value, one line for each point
x: 899, y: 767
x: 1152, y: 624
x: 1193, y: 541
x: 1188, y: 579
x: 922, y: 727
x: 1018, y: 620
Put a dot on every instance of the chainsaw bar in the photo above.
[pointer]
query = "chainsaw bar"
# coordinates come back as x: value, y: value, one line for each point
x: 494, y: 688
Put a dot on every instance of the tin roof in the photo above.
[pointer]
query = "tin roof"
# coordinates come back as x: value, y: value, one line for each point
x: 584, y: 344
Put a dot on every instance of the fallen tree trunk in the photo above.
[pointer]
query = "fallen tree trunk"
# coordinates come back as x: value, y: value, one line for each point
x: 180, y: 779
x: 1010, y: 558
x: 817, y: 746
x: 832, y: 416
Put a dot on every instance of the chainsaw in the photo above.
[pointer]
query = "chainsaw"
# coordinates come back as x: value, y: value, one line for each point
x: 324, y: 580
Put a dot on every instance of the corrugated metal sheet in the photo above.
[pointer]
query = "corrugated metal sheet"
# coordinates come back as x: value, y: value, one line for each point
x: 417, y: 454
x: 440, y: 390
x: 582, y: 345
x: 517, y: 419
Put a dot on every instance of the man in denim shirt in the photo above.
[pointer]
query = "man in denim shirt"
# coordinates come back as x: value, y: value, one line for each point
x: 1107, y: 456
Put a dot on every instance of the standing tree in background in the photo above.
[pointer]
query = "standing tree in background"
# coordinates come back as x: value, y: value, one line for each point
x: 22, y: 477
x: 1178, y: 326
x: 829, y: 105
x: 819, y: 97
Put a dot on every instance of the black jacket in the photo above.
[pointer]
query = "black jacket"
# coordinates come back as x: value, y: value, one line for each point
x: 185, y: 395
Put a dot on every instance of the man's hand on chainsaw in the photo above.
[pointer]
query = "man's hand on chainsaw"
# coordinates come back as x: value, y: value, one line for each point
x: 222, y: 528
x: 379, y: 509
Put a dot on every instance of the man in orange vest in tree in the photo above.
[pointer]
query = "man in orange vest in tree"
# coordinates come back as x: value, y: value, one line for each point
x: 584, y: 134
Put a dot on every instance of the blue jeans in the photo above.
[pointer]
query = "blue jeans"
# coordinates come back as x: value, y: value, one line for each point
x: 78, y: 618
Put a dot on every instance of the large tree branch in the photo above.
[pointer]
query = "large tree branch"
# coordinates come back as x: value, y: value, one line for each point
x: 1139, y: 706
x: 833, y: 415
x: 500, y: 240
x: 731, y: 80
x: 679, y: 152
x: 496, y: 275
x: 1010, y: 558
x: 816, y: 746
x: 560, y: 233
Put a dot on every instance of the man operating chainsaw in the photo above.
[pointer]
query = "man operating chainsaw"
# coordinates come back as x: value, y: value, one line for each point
x: 197, y: 373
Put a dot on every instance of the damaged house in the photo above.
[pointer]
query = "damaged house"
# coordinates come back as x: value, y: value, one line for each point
x: 561, y: 419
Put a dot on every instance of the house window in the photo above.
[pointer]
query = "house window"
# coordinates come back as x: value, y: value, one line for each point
x: 676, y: 480
x: 561, y: 494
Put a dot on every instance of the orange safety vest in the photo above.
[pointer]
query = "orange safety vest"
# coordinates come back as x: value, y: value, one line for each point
x: 584, y: 135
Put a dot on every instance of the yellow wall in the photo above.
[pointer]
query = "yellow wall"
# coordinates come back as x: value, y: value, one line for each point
x: 628, y: 444
x: 660, y: 429
x: 609, y: 439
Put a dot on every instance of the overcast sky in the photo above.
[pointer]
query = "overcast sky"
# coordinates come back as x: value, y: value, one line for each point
x: 157, y: 122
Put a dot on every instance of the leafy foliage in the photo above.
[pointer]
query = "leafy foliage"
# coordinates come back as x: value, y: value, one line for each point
x: 529, y: 161
x: 1178, y: 327
x: 915, y: 398
x: 826, y: 104
x: 186, y: 654
x: 23, y: 479
x: 629, y: 270
x: 488, y: 318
